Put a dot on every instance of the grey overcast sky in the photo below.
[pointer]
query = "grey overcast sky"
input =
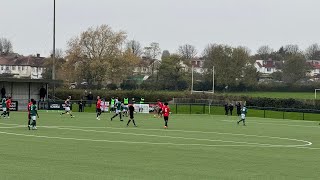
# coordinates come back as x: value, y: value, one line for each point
x: 251, y: 23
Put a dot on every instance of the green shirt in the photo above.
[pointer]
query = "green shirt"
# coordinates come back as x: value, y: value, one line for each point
x: 112, y: 101
x: 142, y: 101
x: 118, y: 105
x: 4, y: 103
x: 33, y: 110
x: 244, y: 110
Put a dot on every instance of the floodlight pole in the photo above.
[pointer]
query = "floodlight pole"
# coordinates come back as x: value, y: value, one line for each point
x: 54, y: 48
x: 54, y: 41
x: 192, y: 79
x: 213, y: 79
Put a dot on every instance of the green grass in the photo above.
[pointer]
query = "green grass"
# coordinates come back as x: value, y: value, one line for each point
x: 286, y: 95
x: 194, y: 147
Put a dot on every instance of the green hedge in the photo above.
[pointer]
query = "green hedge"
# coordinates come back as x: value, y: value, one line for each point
x: 283, y: 103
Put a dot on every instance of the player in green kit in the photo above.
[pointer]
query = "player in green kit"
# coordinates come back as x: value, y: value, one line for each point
x: 34, y: 115
x: 244, y: 111
x: 4, y: 107
x: 119, y: 108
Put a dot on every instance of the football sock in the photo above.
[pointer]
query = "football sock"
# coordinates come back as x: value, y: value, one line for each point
x: 129, y: 122
x: 134, y: 123
x: 8, y: 113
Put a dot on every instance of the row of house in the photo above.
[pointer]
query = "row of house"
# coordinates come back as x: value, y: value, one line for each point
x: 16, y: 66
x: 32, y: 67
x: 267, y: 67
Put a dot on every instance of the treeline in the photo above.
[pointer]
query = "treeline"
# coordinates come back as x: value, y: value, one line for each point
x: 101, y: 57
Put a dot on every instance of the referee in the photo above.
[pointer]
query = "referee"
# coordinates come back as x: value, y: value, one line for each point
x: 131, y: 112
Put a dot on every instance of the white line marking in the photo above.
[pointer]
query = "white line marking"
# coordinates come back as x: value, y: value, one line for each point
x: 171, y: 137
x: 278, y: 124
x: 150, y: 143
x: 307, y: 143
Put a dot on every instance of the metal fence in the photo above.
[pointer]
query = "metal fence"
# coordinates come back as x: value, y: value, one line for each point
x: 194, y: 108
x: 260, y: 112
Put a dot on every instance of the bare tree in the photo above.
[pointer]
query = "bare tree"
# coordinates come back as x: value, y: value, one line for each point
x: 187, y: 51
x: 292, y: 49
x: 152, y: 51
x: 134, y: 47
x: 264, y: 52
x: 5, y: 46
x: 313, y: 52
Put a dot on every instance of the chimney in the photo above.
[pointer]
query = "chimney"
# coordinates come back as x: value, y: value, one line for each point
x: 38, y: 55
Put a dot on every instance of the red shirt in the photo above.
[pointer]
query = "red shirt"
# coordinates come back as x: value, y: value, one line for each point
x: 29, y: 106
x: 8, y: 102
x: 98, y: 105
x: 166, y: 111
x: 160, y: 104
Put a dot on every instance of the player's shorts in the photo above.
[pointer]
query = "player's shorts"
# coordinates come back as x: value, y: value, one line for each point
x: 4, y: 109
x: 243, y: 116
x: 33, y: 118
x: 166, y: 118
x: 159, y: 111
x: 117, y: 111
x: 8, y: 109
x: 131, y: 116
x: 67, y: 109
x: 98, y: 110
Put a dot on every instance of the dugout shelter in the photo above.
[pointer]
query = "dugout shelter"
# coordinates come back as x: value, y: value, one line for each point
x: 22, y: 90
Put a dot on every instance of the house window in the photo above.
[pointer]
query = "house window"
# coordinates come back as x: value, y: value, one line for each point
x: 13, y: 68
x: 269, y: 69
x: 19, y: 68
x: 7, y: 68
x: 2, y: 68
x: 22, y: 68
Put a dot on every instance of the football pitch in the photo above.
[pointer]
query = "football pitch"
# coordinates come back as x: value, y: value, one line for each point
x: 194, y: 147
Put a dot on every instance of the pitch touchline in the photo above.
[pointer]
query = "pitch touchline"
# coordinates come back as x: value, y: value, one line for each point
x: 278, y: 124
x: 246, y: 135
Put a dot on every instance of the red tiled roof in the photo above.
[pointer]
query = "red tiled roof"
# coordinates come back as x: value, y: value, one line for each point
x: 259, y: 64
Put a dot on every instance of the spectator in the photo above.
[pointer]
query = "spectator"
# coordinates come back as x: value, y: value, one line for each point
x: 238, y: 109
x: 231, y: 108
x: 81, y: 105
x: 43, y: 93
x: 226, y: 108
x: 3, y: 92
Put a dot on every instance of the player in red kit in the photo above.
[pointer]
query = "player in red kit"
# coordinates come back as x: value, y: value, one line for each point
x: 8, y: 105
x: 166, y: 112
x: 98, y: 107
x: 29, y: 108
